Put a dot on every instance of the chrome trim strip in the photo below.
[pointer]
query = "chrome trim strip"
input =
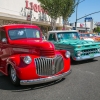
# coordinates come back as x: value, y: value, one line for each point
x: 44, y: 80
x: 86, y: 57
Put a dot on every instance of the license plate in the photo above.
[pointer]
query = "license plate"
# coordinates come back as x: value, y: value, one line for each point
x: 91, y: 55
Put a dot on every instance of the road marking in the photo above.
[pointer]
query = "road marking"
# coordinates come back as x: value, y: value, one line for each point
x: 90, y: 72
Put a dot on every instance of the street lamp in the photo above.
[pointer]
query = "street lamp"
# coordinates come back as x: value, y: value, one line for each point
x: 76, y: 12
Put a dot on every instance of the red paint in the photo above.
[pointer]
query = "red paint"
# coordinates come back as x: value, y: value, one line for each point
x: 27, y: 4
x: 14, y: 51
x: 39, y: 8
x: 33, y: 6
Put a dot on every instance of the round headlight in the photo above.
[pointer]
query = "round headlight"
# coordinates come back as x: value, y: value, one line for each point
x: 79, y: 53
x: 67, y: 54
x: 27, y: 60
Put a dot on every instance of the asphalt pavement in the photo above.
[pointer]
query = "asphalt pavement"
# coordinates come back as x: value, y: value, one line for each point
x: 82, y: 84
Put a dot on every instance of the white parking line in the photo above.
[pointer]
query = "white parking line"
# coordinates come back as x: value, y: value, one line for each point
x: 90, y: 72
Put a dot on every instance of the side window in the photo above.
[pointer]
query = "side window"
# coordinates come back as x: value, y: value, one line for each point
x: 52, y: 37
x: 2, y: 34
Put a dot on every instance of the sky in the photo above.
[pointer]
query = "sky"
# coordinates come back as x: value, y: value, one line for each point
x: 84, y: 8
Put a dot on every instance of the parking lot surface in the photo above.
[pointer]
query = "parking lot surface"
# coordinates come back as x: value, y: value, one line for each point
x: 82, y: 84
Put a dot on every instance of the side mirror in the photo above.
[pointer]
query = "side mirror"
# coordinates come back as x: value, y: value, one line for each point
x: 4, y: 40
x: 43, y: 37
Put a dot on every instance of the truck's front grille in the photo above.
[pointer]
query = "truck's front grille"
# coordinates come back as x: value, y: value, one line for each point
x: 49, y: 66
x: 89, y: 51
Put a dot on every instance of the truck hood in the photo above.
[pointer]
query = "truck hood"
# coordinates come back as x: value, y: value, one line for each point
x: 78, y: 42
x: 40, y: 44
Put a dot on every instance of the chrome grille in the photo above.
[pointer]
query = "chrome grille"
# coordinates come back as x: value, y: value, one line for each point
x: 89, y: 51
x: 49, y: 66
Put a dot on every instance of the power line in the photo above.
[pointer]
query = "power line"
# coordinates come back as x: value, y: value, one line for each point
x: 88, y: 15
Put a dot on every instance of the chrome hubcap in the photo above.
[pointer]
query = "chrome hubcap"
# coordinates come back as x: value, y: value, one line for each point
x: 13, y: 74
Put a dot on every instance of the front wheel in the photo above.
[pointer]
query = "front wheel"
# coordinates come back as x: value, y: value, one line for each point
x: 13, y: 76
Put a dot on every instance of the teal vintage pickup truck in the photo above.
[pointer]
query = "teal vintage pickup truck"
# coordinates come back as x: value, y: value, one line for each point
x: 70, y: 40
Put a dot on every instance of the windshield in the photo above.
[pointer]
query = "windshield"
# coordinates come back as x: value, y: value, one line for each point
x: 23, y: 33
x: 67, y: 35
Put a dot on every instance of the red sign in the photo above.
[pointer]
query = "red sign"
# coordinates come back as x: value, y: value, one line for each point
x: 33, y: 6
x: 81, y: 25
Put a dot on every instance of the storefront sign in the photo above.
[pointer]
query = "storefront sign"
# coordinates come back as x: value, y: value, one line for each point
x: 33, y: 6
x: 88, y: 19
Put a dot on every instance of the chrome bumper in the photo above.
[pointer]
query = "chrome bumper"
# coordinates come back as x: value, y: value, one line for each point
x: 86, y: 57
x: 44, y: 80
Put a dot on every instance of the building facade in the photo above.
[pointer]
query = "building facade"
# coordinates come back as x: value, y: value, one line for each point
x: 84, y: 27
x: 87, y: 26
x: 25, y: 11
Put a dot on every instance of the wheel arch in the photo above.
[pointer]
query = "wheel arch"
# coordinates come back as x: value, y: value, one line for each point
x: 8, y: 68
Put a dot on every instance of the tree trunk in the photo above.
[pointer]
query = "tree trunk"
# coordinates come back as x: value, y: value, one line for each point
x: 64, y: 23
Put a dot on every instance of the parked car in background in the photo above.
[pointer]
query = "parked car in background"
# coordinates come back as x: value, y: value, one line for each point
x: 28, y: 59
x: 97, y: 38
x: 70, y: 40
x: 90, y: 37
x: 87, y: 37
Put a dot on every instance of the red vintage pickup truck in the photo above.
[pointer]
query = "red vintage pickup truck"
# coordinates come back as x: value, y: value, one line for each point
x: 28, y: 59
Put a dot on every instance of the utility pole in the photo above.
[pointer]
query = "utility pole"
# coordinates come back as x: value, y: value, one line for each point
x: 76, y: 11
x: 85, y: 24
x: 76, y: 14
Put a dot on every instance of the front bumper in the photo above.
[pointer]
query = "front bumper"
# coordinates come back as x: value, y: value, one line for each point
x: 86, y: 57
x: 44, y: 80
